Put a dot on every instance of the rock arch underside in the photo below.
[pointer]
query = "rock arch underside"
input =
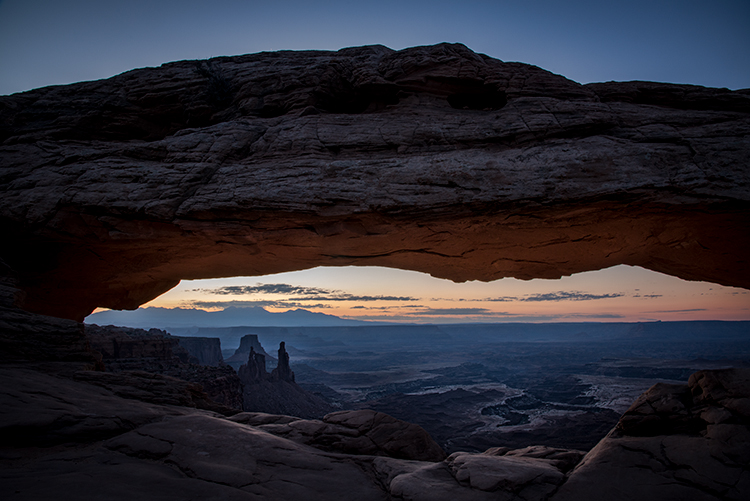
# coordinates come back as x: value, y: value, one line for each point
x: 434, y: 159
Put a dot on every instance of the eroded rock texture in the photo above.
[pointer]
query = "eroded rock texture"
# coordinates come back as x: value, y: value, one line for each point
x: 153, y: 358
x: 67, y: 437
x: 434, y: 159
x: 363, y: 432
x: 675, y: 442
x: 207, y: 350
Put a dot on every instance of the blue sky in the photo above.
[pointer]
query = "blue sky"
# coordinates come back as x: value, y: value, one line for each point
x: 45, y: 42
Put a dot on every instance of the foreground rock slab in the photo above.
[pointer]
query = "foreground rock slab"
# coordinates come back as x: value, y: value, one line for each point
x: 63, y: 438
x: 675, y: 442
x: 434, y: 159
x: 362, y: 432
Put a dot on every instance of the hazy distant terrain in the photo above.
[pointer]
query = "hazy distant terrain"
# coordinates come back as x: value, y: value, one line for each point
x: 146, y: 318
x: 475, y: 386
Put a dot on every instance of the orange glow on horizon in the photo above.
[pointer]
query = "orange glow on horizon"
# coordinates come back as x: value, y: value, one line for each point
x: 618, y: 294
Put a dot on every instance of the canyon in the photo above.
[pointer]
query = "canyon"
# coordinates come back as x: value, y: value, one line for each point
x: 434, y: 159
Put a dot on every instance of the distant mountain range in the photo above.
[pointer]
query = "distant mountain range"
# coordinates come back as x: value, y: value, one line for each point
x: 161, y: 318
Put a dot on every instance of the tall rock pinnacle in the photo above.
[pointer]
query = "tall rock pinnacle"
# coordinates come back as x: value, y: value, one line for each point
x: 283, y: 372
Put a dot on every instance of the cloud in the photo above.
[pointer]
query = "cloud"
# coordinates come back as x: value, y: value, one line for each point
x: 549, y: 296
x: 453, y: 311
x: 245, y: 304
x: 226, y: 304
x: 299, y: 293
x: 592, y: 315
x: 438, y: 312
x: 678, y: 311
x: 569, y: 296
x: 263, y: 289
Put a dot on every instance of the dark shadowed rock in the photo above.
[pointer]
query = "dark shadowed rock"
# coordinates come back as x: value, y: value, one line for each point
x: 129, y: 350
x: 65, y: 438
x: 129, y: 347
x: 207, y: 350
x: 254, y: 371
x: 361, y: 432
x: 248, y: 342
x: 277, y: 393
x: 283, y: 397
x: 155, y: 388
x: 25, y: 337
x: 434, y: 159
x: 282, y: 372
x: 562, y: 459
x: 675, y: 442
x: 42, y: 409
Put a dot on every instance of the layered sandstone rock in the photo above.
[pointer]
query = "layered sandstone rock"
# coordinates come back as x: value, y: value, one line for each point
x: 144, y: 358
x: 64, y: 438
x: 675, y: 442
x: 434, y: 159
x: 206, y: 350
x: 363, y: 432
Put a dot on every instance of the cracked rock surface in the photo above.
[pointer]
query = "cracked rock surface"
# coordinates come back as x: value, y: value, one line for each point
x: 675, y: 442
x: 434, y: 159
x: 65, y: 438
x: 364, y: 432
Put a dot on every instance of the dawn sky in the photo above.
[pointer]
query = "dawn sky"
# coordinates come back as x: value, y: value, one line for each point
x: 47, y: 42
x: 621, y: 294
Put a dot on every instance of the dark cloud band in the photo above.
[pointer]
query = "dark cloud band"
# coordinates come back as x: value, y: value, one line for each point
x: 299, y: 293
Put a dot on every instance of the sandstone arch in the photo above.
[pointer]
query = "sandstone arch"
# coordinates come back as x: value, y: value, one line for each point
x: 435, y: 159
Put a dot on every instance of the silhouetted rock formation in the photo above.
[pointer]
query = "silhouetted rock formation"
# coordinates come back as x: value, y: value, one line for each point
x: 434, y: 159
x: 248, y: 342
x: 207, y: 350
x: 283, y: 397
x: 154, y: 351
x: 254, y: 371
x: 283, y: 371
x: 125, y: 348
x: 277, y: 393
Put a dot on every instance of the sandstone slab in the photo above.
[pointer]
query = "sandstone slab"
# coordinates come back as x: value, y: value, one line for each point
x: 675, y: 442
x: 65, y: 439
x: 362, y: 432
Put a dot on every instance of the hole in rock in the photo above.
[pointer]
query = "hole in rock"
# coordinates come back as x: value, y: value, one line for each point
x: 349, y: 100
x: 477, y: 364
x: 480, y: 99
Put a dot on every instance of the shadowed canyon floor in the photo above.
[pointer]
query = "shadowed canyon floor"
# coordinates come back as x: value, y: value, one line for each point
x: 477, y: 386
